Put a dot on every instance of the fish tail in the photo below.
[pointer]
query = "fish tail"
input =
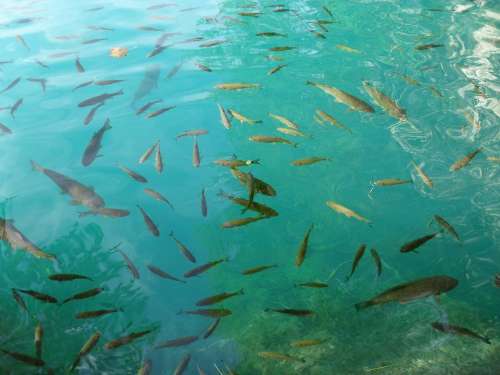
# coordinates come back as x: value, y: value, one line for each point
x: 310, y: 83
x: 107, y: 125
x: 36, y: 167
x: 171, y: 234
x: 487, y: 340
x: 363, y: 305
x: 180, y: 312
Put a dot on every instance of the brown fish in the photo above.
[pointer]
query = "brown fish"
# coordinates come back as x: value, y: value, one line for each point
x: 391, y: 182
x: 149, y: 222
x: 94, y: 146
x: 446, y: 226
x: 211, y: 328
x: 203, y: 67
x: 26, y: 359
x: 383, y: 101
x: 288, y: 123
x: 218, y: 298
x: 95, y: 313
x: 184, y: 250
x: 260, y: 186
x: 61, y: 277
x: 258, y: 269
x: 84, y: 295
x: 294, y: 312
x: 254, y: 206
x: 211, y: 313
x: 183, y: 365
x: 196, y: 153
x: 124, y: 340
x: 276, y: 69
x: 4, y: 129
x: 357, y: 257
x: 19, y: 300
x: 159, y: 197
x: 235, y: 163
x: 148, y: 153
x: 459, y: 331
x: 424, y: 47
x: 271, y: 139
x: 90, y: 116
x: 211, y: 43
x: 16, y: 106
x: 271, y: 34
x: 181, y: 341
x: 38, y: 295
x: 38, y: 340
x: 496, y: 280
x: 136, y: 176
x: 459, y: 164
x: 163, y: 274
x: 309, y: 161
x: 301, y: 253
x: 86, y: 349
x: 412, y: 245
x: 79, y: 66
x: 413, y: 290
x: 204, y: 208
x: 158, y: 159
x: 241, y: 222
x: 223, y: 117
x: 325, y: 117
x: 236, y: 86
x: 377, y: 260
x: 192, y: 133
x: 346, y: 211
x: 133, y: 269
x: 281, y: 48
x: 251, y: 192
x: 146, y: 106
x: 279, y: 357
x: 425, y: 178
x: 343, y: 97
x: 99, y: 99
x: 160, y: 111
x: 204, y: 267
x: 306, y: 343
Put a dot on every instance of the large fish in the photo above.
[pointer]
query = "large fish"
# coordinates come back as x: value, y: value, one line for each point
x: 148, y: 83
x: 383, y: 101
x: 90, y: 153
x: 343, y: 97
x: 80, y: 194
x: 410, y: 291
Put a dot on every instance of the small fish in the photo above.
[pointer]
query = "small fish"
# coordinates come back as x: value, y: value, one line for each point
x: 250, y: 14
x: 95, y: 313
x: 241, y: 222
x: 391, y: 182
x: 288, y: 123
x: 4, y: 129
x: 159, y: 197
x: 21, y: 40
x: 133, y: 269
x: 279, y: 357
x: 149, y: 28
x: 84, y: 295
x: 192, y: 133
x: 163, y: 274
x: 90, y: 116
x: 459, y: 164
x: 313, y: 284
x: 95, y: 144
x: 204, y: 267
x: 126, y: 339
x: 105, y: 211
x: 158, y: 159
x: 211, y: 328
x: 425, y: 178
x: 183, y: 365
x: 223, y: 117
x: 93, y: 41
x: 136, y: 176
x: 11, y: 85
x: 174, y: 70
x: 357, y: 258
x: 270, y: 34
x: 99, y: 99
x: 459, y: 331
x: 146, y: 368
x: 377, y: 260
x: 204, y: 207
x: 84, y: 84
x: 184, y: 250
x: 218, y: 298
x: 271, y: 139
x: 291, y: 132
x: 163, y: 37
x: 174, y: 343
x: 149, y: 222
x: 497, y: 280
x: 86, y: 349
x: 293, y: 312
x: 424, y: 47
x: 281, y: 48
x: 148, y: 153
x: 258, y: 269
x: 146, y: 106
x: 38, y: 340
x: 79, y: 66
x: 62, y: 277
x: 412, y: 245
x: 160, y: 111
x: 317, y: 34
x: 196, y: 153
x: 203, y: 67
x: 38, y: 295
x: 235, y: 163
x: 210, y: 313
x: 41, y: 81
x: 260, y: 186
x: 446, y: 226
x: 19, y: 300
x: 211, y: 43
x: 192, y: 40
x: 343, y: 97
x: 241, y: 118
x: 26, y: 359
x: 108, y: 82
x: 99, y: 28
x: 251, y: 192
x: 309, y: 161
x: 306, y: 343
x: 236, y: 86
x: 61, y: 54
x: 276, y: 69
x: 325, y: 117
x: 346, y: 211
x: 383, y: 101
x: 301, y: 253
x: 156, y: 51
x: 15, y: 107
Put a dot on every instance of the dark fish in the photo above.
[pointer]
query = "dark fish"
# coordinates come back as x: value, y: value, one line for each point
x: 344, y: 97
x: 181, y: 341
x: 218, y: 298
x: 99, y: 99
x: 148, y: 153
x: 133, y: 269
x: 270, y: 34
x: 423, y: 47
x: 251, y: 191
x: 158, y: 159
x: 95, y: 313
x: 146, y: 106
x: 15, y: 107
x: 313, y: 284
x: 105, y: 211
x: 136, y: 176
x: 26, y: 359
x: 86, y: 349
x: 377, y: 260
x: 92, y: 149
x: 149, y: 28
x: 61, y: 277
x: 41, y: 81
x: 42, y: 64
x: 160, y: 111
x: 192, y: 133
x: 260, y: 186
x: 155, y: 195
x: 11, y: 85
x: 39, y: 296
x: 294, y: 312
x: 21, y: 40
x: 19, y: 300
x: 79, y: 66
x: 257, y: 207
x: 497, y: 280
x: 258, y: 269
x: 4, y: 129
x: 196, y: 153
x: 412, y: 245
x: 79, y: 193
x: 84, y: 295
x: 459, y: 164
x: 17, y: 240
x: 108, y: 82
x: 357, y: 257
x: 204, y: 267
x: 281, y: 48
x: 92, y: 41
x: 203, y: 67
x: 410, y: 291
x: 301, y: 253
x: 276, y: 69
x: 38, y: 340
x: 459, y: 331
x: 446, y: 226
x: 211, y: 313
x: 174, y: 70
x: 149, y: 222
x: 90, y: 116
x: 241, y: 222
x: 126, y: 339
x: 184, y: 250
x: 183, y: 365
x: 211, y: 328
x: 163, y: 274
x: 204, y: 208
x: 235, y: 163
x: 148, y: 83
x: 85, y: 84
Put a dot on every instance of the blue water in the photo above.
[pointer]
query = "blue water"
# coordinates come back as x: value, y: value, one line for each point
x: 440, y: 88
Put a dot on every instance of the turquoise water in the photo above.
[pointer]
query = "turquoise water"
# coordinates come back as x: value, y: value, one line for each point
x: 440, y: 88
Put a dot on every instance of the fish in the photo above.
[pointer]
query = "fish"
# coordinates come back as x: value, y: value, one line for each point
x: 301, y: 253
x: 11, y: 85
x: 191, y: 133
x: 26, y: 359
x: 218, y: 298
x: 146, y: 368
x: 383, y: 101
x: 38, y: 295
x: 346, y: 211
x: 254, y: 270
x: 148, y: 153
x: 271, y: 139
x: 241, y: 118
x: 196, y: 153
x: 211, y: 43
x: 317, y: 34
x: 424, y: 47
x: 270, y: 34
x: 38, y: 340
x: 276, y: 69
x: 471, y: 119
x: 62, y: 277
x: 108, y: 82
x: 204, y: 267
x: 203, y: 67
x: 223, y: 117
x: 292, y: 132
x: 446, y: 226
x: 345, y: 48
x: 312, y: 284
x: 325, y: 117
x: 136, y: 176
x: 162, y: 38
x: 250, y: 14
x: 391, y: 182
x: 235, y: 163
x: 412, y: 245
x: 41, y: 81
x: 241, y: 222
x: 149, y: 28
x: 146, y: 106
x: 61, y: 54
x: 16, y: 106
x: 124, y: 340
x: 184, y: 250
x: 21, y: 40
x: 158, y: 159
x: 204, y: 208
x: 251, y: 192
x: 377, y: 260
x: 281, y: 48
x: 306, y: 343
x: 163, y: 274
x: 211, y: 328
x: 288, y: 123
x: 459, y: 331
x: 160, y: 6
x: 423, y: 176
x: 183, y: 365
x: 210, y: 313
x: 293, y: 312
x: 497, y: 280
x: 149, y: 222
x: 133, y: 269
x: 84, y: 84
x: 343, y: 97
x: 309, y: 161
x: 4, y: 129
x: 279, y: 357
x: 93, y: 41
x: 260, y: 186
x: 92, y: 149
x: 19, y: 300
x: 99, y: 99
x: 84, y: 295
x: 79, y: 66
x: 181, y: 341
x: 86, y: 349
x: 357, y: 258
x: 148, y: 83
x: 412, y: 290
x: 17, y: 240
x: 237, y: 86
x: 160, y: 111
x: 99, y: 28
x: 159, y: 197
x: 105, y: 211
x: 174, y: 70
x: 95, y: 313
x: 459, y: 164
x: 192, y: 40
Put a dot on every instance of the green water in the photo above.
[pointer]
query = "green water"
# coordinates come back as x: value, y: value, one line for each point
x: 361, y: 40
